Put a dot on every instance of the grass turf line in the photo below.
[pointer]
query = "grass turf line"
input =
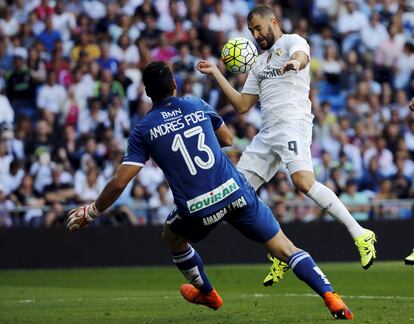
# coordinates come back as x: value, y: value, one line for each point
x: 382, y: 294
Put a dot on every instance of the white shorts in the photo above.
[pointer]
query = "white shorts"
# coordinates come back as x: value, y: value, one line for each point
x: 286, y: 142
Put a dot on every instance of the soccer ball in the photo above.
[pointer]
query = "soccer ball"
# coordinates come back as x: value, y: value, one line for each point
x: 239, y: 55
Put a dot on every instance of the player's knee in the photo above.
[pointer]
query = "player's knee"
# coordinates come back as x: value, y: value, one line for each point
x: 303, y: 181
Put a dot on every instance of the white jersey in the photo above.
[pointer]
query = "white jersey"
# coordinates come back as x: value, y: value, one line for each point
x: 281, y: 96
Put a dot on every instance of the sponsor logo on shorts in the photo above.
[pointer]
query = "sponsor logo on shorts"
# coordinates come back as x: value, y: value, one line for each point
x: 238, y: 203
x: 212, y: 197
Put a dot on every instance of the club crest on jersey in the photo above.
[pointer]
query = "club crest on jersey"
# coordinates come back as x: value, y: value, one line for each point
x: 212, y: 197
x: 278, y: 51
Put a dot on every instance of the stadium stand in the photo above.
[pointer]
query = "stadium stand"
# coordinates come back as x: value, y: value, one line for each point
x: 71, y: 90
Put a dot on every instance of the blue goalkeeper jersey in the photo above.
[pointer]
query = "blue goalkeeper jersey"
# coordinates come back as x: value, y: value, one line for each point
x: 179, y: 136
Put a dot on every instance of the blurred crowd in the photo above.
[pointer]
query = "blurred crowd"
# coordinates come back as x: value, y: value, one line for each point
x: 71, y: 90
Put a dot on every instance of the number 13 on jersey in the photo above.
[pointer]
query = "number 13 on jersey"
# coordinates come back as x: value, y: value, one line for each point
x: 179, y: 145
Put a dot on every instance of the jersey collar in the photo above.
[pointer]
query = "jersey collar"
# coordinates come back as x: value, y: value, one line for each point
x: 273, y: 48
x: 164, y: 103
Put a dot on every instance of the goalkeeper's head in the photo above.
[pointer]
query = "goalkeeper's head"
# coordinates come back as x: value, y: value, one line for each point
x: 158, y: 81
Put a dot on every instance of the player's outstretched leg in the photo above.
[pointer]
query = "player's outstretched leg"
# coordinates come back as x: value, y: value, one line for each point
x: 326, y: 199
x: 199, y: 291
x: 410, y: 259
x: 306, y: 270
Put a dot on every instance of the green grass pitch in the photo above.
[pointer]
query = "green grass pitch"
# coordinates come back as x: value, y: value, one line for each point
x: 382, y: 294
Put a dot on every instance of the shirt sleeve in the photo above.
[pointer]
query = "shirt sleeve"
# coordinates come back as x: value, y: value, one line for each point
x: 216, y: 120
x: 251, y: 86
x: 135, y: 152
x: 297, y: 43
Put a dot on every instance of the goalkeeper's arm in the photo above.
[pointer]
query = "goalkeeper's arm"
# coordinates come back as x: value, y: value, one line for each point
x: 83, y: 215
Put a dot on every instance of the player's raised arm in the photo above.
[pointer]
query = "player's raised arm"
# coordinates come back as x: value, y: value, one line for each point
x: 83, y: 215
x: 241, y: 102
x: 298, y: 61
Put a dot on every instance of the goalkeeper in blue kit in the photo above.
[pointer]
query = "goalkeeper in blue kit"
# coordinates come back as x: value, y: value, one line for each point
x: 184, y: 135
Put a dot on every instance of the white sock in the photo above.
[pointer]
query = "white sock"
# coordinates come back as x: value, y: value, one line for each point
x: 327, y: 200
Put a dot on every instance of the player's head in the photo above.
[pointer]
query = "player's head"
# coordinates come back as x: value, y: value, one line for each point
x: 158, y: 81
x: 263, y: 25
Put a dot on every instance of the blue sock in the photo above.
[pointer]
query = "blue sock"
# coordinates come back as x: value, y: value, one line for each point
x: 306, y: 270
x: 192, y: 267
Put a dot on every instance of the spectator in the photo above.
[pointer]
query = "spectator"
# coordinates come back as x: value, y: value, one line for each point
x: 241, y: 29
x: 87, y: 47
x: 220, y: 20
x: 331, y: 65
x: 20, y: 89
x: 64, y: 23
x: 5, y: 160
x: 36, y: 66
x: 6, y: 110
x: 13, y: 179
x: 9, y: 25
x: 21, y: 11
x: 51, y: 98
x: 151, y: 32
x: 15, y: 146
x: 371, y: 177
x: 6, y: 209
x: 31, y: 202
x: 106, y: 60
x: 385, y: 157
x: 124, y: 51
x: 42, y: 139
x: 184, y: 63
x: 356, y: 202
x: 351, y: 23
x: 404, y: 66
x: 385, y: 209
x: 57, y: 194
x: 136, y: 206
x: 351, y: 73
x: 161, y: 204
x: 49, y: 36
x: 43, y: 11
x: 124, y: 27
x: 374, y: 33
x: 147, y: 8
x: 322, y: 167
x: 163, y: 52
x: 88, y: 187
x: 401, y: 180
x: 387, y: 55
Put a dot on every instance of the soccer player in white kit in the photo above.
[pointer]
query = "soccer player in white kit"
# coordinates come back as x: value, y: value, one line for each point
x: 280, y: 81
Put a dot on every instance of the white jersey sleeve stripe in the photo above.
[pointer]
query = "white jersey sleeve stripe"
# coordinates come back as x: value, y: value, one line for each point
x: 133, y: 163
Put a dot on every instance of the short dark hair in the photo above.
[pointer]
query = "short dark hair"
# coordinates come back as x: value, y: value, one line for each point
x: 262, y: 11
x: 158, y: 81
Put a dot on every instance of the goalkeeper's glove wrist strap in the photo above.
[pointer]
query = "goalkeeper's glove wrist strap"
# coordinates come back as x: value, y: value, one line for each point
x: 93, y: 211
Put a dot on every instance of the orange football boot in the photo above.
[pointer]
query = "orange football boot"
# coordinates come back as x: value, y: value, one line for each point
x: 337, y: 306
x: 195, y: 296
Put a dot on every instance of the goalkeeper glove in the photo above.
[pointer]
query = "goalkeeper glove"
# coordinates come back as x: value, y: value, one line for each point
x: 82, y: 216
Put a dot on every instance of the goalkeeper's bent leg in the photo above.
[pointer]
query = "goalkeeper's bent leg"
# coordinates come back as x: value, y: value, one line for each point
x: 191, y: 266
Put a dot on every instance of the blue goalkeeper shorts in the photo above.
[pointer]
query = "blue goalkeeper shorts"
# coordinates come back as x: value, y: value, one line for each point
x: 247, y: 213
